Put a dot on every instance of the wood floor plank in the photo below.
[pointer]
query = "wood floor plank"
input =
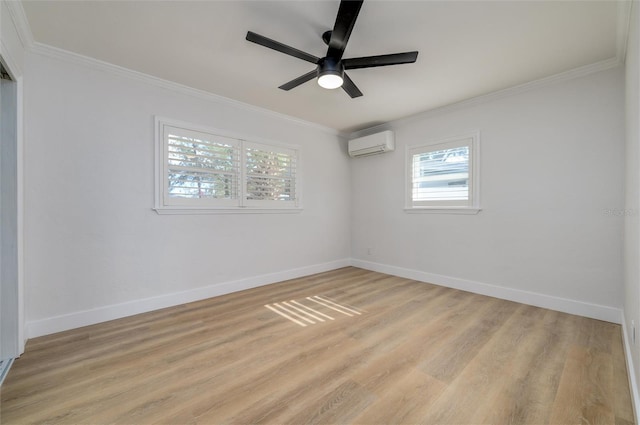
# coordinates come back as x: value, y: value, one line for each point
x: 525, y: 396
x: 406, y: 401
x: 272, y: 386
x: 478, y: 382
x: 586, y: 389
x: 418, y: 353
x: 455, y: 356
x: 221, y: 384
x: 338, y: 406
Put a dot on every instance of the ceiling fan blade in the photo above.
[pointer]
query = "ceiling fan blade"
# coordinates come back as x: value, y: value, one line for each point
x: 350, y: 87
x: 346, y: 19
x: 381, y: 60
x: 300, y: 80
x: 282, y: 48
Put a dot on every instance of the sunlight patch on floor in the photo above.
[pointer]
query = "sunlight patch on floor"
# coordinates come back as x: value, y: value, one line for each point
x: 312, y: 310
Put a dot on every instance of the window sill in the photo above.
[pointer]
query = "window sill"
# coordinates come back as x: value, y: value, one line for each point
x: 246, y: 210
x: 443, y: 210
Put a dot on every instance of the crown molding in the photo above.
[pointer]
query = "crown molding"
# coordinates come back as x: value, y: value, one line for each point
x: 11, y: 65
x: 67, y: 56
x: 624, y: 21
x: 78, y: 59
x: 25, y: 35
x: 26, y: 38
x: 496, y: 95
x: 20, y: 21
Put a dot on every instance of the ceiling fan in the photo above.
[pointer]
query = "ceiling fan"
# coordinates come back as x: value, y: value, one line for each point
x: 330, y: 69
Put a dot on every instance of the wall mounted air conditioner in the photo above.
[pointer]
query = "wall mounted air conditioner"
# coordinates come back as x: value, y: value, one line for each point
x: 372, y: 144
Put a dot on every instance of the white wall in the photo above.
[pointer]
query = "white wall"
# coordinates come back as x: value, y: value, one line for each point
x: 550, y: 228
x: 632, y: 195
x: 95, y: 250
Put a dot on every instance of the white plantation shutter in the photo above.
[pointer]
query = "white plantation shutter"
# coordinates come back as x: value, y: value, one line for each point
x: 270, y: 174
x: 200, y: 170
x: 202, y: 167
x: 444, y: 174
x: 441, y: 175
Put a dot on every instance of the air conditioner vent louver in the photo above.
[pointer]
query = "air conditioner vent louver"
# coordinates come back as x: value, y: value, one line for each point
x: 372, y: 144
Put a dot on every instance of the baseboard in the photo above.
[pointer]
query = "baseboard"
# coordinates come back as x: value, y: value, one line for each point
x: 102, y: 314
x: 565, y: 305
x: 633, y: 384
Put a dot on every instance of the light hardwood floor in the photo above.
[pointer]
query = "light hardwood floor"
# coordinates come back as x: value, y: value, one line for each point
x: 416, y: 353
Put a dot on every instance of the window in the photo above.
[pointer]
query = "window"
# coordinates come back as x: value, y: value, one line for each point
x: 201, y: 171
x: 443, y: 176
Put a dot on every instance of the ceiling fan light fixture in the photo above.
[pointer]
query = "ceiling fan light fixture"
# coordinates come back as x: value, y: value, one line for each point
x: 330, y: 74
x: 330, y: 81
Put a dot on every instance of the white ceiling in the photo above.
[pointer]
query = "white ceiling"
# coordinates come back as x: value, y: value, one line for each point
x: 466, y: 48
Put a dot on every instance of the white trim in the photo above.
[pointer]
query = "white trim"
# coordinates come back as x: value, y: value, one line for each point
x: 65, y: 55
x: 75, y: 58
x: 78, y: 319
x: 22, y: 339
x: 623, y: 25
x: 23, y: 28
x: 20, y: 21
x: 116, y: 311
x: 239, y: 210
x: 16, y: 74
x: 10, y: 63
x: 443, y: 210
x: 495, y: 95
x: 633, y: 384
x: 565, y: 305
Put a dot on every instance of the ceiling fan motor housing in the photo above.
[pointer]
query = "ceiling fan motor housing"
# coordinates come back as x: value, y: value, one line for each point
x: 330, y: 72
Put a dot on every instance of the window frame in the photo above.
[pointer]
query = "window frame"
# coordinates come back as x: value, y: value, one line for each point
x: 163, y: 204
x: 470, y: 206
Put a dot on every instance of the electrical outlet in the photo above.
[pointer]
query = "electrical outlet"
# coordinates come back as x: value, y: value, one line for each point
x: 633, y: 332
x: 369, y: 251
